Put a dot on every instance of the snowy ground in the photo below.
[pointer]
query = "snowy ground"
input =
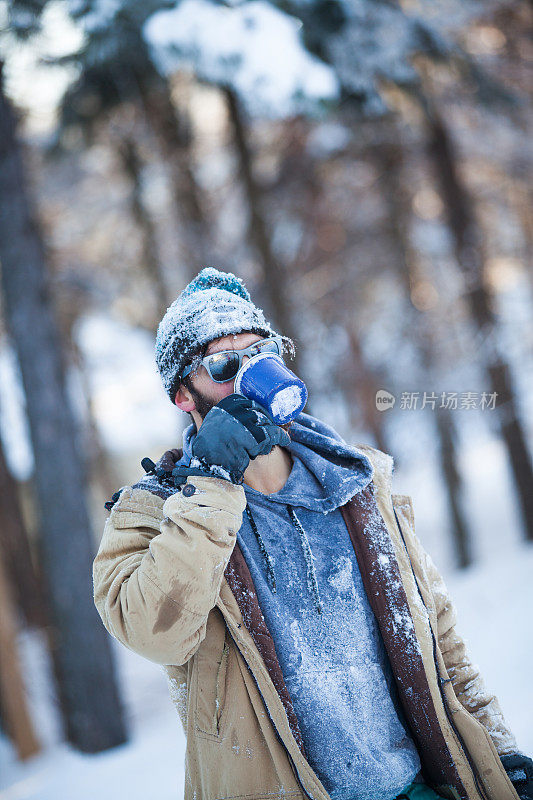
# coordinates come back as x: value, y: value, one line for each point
x: 494, y: 601
x: 150, y: 766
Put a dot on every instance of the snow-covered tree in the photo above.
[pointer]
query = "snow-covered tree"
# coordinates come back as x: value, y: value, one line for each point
x: 287, y: 56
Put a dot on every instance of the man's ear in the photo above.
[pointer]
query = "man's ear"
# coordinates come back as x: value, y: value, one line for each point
x: 184, y: 399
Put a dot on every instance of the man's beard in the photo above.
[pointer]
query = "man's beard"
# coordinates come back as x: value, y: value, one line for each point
x: 204, y: 405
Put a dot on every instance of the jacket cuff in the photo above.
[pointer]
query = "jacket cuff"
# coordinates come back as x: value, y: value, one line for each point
x: 215, y: 493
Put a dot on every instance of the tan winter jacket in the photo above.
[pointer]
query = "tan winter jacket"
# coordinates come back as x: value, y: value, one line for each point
x: 171, y: 584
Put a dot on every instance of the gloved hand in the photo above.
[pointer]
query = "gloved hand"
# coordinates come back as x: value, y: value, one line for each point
x: 167, y: 472
x: 233, y: 432
x: 519, y: 768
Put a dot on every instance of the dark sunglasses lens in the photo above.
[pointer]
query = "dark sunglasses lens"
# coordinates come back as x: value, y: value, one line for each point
x: 268, y: 346
x: 224, y: 367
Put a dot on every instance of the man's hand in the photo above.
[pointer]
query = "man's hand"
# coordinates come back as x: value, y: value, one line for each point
x: 232, y: 433
x: 519, y: 768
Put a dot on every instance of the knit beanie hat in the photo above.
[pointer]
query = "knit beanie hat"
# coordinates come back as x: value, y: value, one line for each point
x: 214, y: 304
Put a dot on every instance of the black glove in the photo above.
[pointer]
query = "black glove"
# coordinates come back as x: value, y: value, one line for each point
x: 168, y: 473
x: 519, y: 768
x: 233, y: 432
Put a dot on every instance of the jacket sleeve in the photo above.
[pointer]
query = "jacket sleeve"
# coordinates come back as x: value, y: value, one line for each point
x: 159, y: 567
x: 466, y: 679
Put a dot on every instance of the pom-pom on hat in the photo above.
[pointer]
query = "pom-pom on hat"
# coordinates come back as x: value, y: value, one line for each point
x: 214, y: 304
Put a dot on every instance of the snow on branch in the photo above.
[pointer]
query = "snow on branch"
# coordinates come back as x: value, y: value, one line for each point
x: 254, y: 48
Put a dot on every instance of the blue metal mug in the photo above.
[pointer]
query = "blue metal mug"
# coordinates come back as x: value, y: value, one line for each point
x: 266, y: 379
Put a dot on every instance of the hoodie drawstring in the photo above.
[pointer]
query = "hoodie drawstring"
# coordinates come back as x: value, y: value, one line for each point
x: 312, y: 583
x: 264, y: 552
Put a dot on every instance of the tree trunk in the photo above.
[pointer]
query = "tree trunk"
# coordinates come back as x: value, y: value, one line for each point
x: 99, y: 463
x: 81, y: 648
x: 16, y: 552
x: 365, y: 386
x: 15, y: 713
x: 470, y: 258
x: 389, y: 158
x: 149, y: 255
x: 277, y: 280
x: 454, y: 486
x: 175, y: 137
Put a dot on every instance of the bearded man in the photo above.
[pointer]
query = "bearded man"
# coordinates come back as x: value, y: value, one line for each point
x: 308, y: 638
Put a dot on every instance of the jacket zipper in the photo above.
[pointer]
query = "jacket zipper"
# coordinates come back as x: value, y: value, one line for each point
x: 291, y: 760
x: 441, y: 680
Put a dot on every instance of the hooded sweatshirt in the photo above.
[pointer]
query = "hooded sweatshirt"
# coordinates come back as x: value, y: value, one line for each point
x: 327, y: 639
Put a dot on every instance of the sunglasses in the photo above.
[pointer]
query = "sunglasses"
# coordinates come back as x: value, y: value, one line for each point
x: 225, y: 365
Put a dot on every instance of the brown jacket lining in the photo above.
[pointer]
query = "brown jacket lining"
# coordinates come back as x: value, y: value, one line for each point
x: 386, y: 594
x: 241, y: 584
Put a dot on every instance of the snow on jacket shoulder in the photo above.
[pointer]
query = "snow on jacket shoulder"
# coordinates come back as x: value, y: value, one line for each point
x: 160, y: 564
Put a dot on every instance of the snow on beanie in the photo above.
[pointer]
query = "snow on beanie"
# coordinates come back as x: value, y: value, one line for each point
x: 214, y: 304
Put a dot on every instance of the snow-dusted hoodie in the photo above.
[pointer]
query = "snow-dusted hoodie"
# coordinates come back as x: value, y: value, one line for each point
x: 328, y: 643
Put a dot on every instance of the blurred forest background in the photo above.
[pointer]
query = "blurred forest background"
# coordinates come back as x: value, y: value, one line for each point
x: 365, y: 167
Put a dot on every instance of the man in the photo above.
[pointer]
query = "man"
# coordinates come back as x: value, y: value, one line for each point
x: 308, y: 639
